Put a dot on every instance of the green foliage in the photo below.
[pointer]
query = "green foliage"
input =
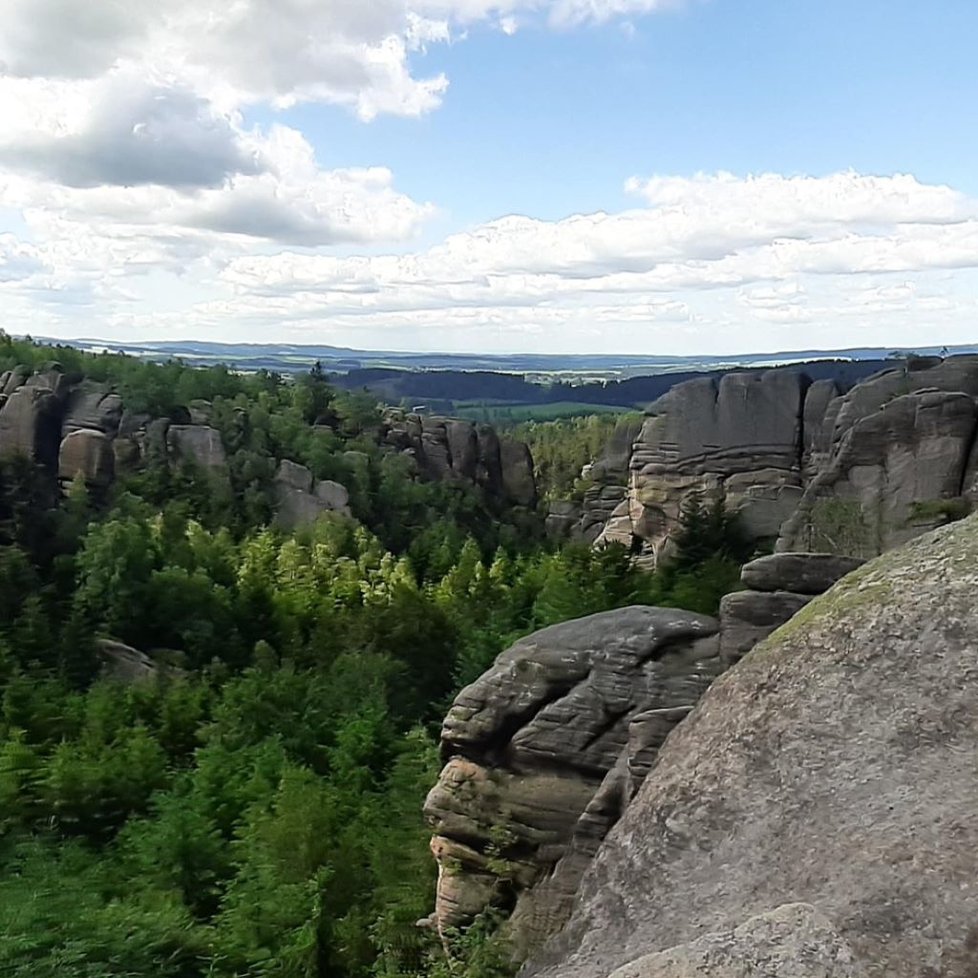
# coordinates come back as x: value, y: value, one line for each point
x: 562, y: 448
x: 254, y: 809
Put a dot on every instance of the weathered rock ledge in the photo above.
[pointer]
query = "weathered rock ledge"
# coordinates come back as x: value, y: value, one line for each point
x: 835, y: 766
x: 545, y: 751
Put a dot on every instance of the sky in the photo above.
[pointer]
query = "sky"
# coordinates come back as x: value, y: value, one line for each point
x: 566, y: 176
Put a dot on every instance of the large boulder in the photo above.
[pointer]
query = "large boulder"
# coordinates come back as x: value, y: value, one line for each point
x: 92, y: 406
x: 516, y: 466
x: 89, y: 454
x: 199, y: 444
x: 30, y: 425
x: 835, y: 766
x: 806, y: 573
x: 529, y: 745
x: 300, y: 500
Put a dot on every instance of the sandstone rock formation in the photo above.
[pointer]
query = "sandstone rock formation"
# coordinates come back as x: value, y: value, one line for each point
x: 545, y: 751
x: 199, y: 444
x: 738, y: 436
x: 448, y: 449
x: 87, y: 453
x: 808, y: 466
x: 793, y: 941
x: 529, y: 744
x: 835, y: 766
x: 889, y: 478
x: 300, y: 499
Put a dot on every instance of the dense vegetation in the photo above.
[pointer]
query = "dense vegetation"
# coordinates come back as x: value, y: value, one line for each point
x: 562, y: 448
x: 255, y: 810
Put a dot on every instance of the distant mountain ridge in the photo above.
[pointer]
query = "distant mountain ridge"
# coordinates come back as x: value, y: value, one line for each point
x: 295, y: 357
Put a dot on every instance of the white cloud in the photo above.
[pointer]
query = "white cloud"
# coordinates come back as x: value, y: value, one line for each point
x: 120, y: 130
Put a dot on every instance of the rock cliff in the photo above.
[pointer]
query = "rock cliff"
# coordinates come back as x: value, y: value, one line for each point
x: 834, y: 766
x: 807, y: 465
x: 74, y: 427
x: 449, y: 449
x: 545, y: 751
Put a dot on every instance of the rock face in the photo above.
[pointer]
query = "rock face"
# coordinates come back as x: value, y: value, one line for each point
x: 808, y: 466
x: 891, y: 476
x: 545, y: 751
x: 529, y: 745
x: 806, y: 573
x: 739, y: 436
x: 794, y: 941
x: 834, y: 765
x: 87, y: 453
x: 448, y: 449
x: 300, y: 500
x: 199, y: 444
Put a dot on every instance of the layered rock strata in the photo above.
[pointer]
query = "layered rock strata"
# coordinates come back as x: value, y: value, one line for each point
x: 546, y: 750
x: 807, y: 466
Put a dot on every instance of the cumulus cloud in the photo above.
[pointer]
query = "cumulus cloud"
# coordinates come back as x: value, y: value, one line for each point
x: 773, y: 249
x: 120, y: 130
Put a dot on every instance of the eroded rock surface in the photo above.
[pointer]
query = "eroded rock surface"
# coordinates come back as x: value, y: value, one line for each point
x: 835, y: 765
x: 528, y: 747
x: 807, y: 466
x: 794, y: 941
x: 300, y: 500
x: 891, y: 476
x: 447, y: 449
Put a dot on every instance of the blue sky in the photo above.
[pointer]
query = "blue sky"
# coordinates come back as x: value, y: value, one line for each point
x: 551, y: 123
x: 672, y: 176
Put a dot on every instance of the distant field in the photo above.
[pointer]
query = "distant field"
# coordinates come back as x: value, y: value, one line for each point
x: 533, y: 412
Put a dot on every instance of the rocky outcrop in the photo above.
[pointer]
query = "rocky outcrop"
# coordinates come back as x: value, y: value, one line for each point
x: 546, y: 750
x: 529, y: 745
x: 300, y: 500
x: 739, y: 437
x: 198, y: 444
x: 834, y: 766
x: 806, y: 573
x: 891, y: 476
x: 30, y: 419
x: 449, y: 449
x: 89, y: 454
x: 806, y: 465
x: 793, y: 941
x: 92, y: 407
x: 125, y: 664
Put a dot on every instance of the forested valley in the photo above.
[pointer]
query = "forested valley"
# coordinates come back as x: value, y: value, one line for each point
x: 254, y: 809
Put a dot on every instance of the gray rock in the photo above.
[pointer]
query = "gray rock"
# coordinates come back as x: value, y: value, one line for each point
x: 300, y: 500
x: 834, y: 765
x: 793, y: 941
x: 529, y: 745
x: 516, y: 466
x: 197, y: 443
x: 87, y: 453
x: 30, y: 425
x: 746, y: 617
x: 894, y: 475
x: 14, y: 379
x: 806, y: 573
x: 92, y: 406
x: 744, y: 427
x: 333, y: 496
x: 817, y: 435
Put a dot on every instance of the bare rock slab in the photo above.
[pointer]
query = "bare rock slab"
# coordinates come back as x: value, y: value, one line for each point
x: 803, y: 573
